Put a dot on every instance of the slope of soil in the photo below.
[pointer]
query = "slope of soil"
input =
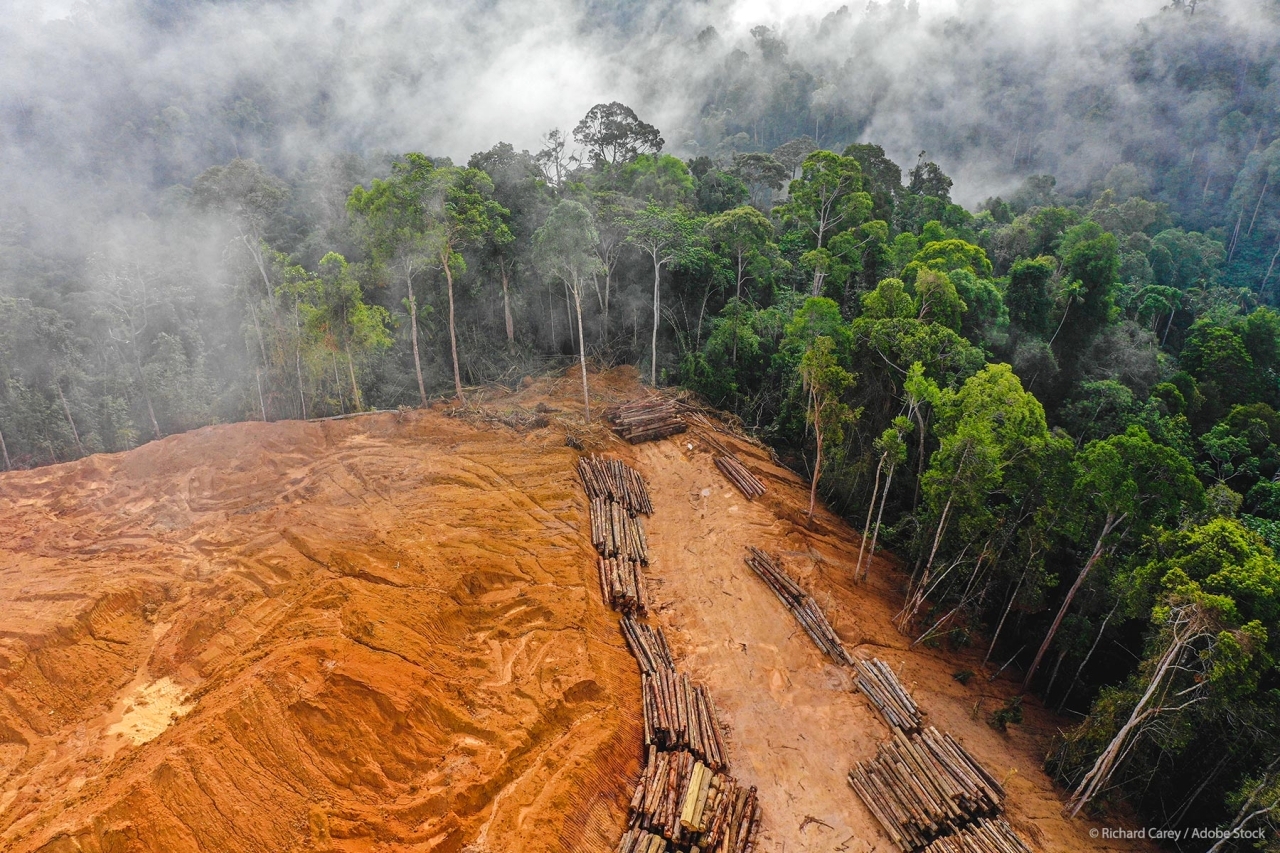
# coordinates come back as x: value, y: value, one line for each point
x: 385, y: 634
x: 797, y: 723
x: 368, y: 634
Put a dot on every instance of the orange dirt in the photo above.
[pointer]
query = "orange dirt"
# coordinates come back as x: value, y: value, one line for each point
x: 385, y: 633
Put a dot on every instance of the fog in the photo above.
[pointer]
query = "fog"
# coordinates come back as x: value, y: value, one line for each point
x: 103, y: 102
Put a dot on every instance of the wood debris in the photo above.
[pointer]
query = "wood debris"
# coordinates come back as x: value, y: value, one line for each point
x: 647, y: 420
x: 881, y: 686
x: 800, y: 603
x: 679, y: 715
x: 737, y: 473
x: 925, y: 786
x: 984, y: 836
x: 614, y: 480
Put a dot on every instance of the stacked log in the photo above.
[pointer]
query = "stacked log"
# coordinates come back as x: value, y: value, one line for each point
x: 622, y: 585
x: 801, y: 605
x: 685, y: 801
x: 877, y: 681
x: 639, y: 841
x: 614, y: 480
x: 985, y: 836
x: 692, y: 806
x: 925, y: 786
x: 680, y: 716
x: 615, y: 532
x: 737, y: 473
x: 648, y: 646
x: 647, y: 420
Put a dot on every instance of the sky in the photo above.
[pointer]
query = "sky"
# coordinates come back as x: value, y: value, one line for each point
x: 103, y: 98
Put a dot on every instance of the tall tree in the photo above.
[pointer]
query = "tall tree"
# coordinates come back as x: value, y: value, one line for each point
x: 565, y: 247
x: 462, y: 212
x: 667, y: 237
x: 612, y: 133
x: 825, y: 383
x: 742, y: 235
x: 393, y: 213
x: 826, y: 199
x: 1129, y: 484
x: 342, y: 318
x: 424, y: 217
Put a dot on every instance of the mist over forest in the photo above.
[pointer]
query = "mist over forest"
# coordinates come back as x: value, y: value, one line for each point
x: 1000, y: 278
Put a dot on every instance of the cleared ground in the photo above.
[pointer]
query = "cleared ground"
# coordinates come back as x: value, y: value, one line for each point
x: 385, y: 634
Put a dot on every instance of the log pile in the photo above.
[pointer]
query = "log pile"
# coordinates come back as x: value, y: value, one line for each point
x: 639, y: 841
x: 648, y: 646
x: 877, y: 681
x: 693, y: 806
x: 800, y: 603
x: 622, y: 585
x: 679, y: 715
x: 616, y: 532
x: 985, y: 836
x: 749, y: 484
x: 647, y: 420
x: 685, y: 800
x: 925, y: 786
x: 614, y: 480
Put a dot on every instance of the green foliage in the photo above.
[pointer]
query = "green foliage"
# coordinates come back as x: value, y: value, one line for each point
x: 1010, y: 712
x: 1027, y: 295
x: 890, y: 300
x: 938, y: 299
x: 947, y: 255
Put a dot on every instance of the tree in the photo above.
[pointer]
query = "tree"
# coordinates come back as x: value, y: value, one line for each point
x: 1212, y: 591
x: 927, y: 179
x: 1191, y: 633
x: 1130, y: 484
x: 889, y: 300
x: 985, y: 430
x: 394, y: 218
x: 892, y: 449
x: 249, y: 200
x: 462, y: 212
x: 565, y: 247
x: 938, y: 299
x: 881, y: 177
x: 826, y: 198
x: 947, y: 255
x: 611, y: 210
x: 424, y: 217
x: 612, y: 133
x: 763, y: 175
x: 656, y: 179
x: 825, y: 382
x: 742, y: 235
x: 1091, y: 262
x: 519, y: 185
x: 342, y: 319
x: 667, y: 237
x: 551, y: 160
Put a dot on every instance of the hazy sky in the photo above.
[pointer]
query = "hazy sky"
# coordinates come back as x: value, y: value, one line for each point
x: 133, y: 83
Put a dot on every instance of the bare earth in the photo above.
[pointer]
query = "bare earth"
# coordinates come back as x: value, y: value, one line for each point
x: 385, y: 634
